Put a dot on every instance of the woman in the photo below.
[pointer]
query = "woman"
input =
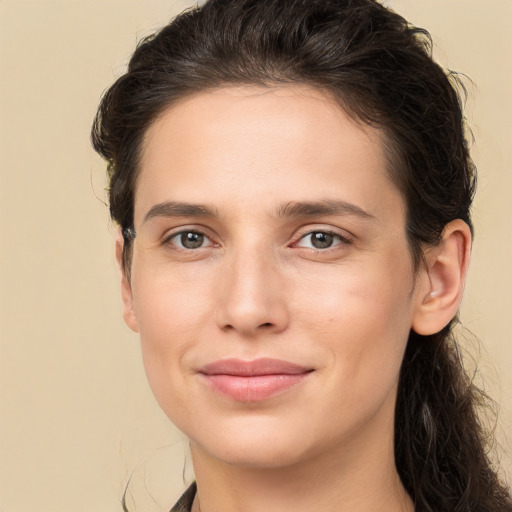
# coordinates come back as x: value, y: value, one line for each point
x: 292, y: 187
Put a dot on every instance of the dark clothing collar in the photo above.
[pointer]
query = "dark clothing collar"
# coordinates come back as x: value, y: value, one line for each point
x: 184, y: 504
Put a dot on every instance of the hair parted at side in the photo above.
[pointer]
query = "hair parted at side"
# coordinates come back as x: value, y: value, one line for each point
x: 380, y: 70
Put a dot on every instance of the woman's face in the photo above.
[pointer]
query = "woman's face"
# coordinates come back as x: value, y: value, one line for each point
x: 271, y: 281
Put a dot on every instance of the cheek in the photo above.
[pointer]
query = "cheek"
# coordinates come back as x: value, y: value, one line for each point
x: 362, y: 316
x: 376, y: 295
x: 171, y: 311
x: 168, y: 304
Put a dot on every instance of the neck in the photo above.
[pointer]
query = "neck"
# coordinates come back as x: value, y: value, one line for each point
x: 361, y: 476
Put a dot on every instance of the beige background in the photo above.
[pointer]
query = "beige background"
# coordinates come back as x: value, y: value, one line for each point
x: 76, y: 416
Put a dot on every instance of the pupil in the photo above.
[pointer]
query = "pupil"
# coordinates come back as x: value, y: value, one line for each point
x: 192, y: 240
x: 322, y: 240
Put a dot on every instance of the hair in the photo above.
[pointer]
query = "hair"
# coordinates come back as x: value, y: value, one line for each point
x: 380, y: 70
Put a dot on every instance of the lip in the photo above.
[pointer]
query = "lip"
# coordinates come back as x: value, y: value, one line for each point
x: 253, y: 381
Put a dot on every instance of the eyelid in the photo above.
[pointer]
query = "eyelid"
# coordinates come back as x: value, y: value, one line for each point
x: 169, y: 235
x: 342, y: 236
x: 309, y: 229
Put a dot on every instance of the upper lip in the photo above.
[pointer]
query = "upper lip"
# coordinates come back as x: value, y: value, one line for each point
x: 253, y: 368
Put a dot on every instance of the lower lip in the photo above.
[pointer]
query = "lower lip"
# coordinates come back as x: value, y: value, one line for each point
x: 253, y: 388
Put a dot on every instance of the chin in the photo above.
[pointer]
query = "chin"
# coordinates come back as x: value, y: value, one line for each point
x: 264, y: 448
x: 256, y: 456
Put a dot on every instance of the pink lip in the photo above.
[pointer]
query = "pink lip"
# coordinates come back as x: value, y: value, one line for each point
x: 252, y: 381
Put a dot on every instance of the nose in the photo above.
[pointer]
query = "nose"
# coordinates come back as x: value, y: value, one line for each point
x: 252, y: 298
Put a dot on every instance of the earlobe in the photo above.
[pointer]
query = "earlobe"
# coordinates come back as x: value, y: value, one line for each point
x: 129, y: 315
x: 443, y: 279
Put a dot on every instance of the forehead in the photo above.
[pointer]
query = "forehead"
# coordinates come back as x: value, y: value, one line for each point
x: 264, y: 144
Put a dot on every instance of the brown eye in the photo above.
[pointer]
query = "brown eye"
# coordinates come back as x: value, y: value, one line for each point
x: 189, y: 240
x: 321, y: 240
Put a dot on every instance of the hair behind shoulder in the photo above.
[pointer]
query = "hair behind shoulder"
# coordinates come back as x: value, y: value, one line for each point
x: 442, y: 444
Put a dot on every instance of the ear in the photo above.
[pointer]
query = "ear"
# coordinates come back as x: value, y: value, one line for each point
x: 442, y: 282
x: 129, y: 315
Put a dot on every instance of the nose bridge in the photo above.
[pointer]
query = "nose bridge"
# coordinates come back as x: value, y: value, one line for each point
x: 252, y: 297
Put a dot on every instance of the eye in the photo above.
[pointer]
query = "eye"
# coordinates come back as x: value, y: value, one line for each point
x: 321, y: 240
x: 189, y: 240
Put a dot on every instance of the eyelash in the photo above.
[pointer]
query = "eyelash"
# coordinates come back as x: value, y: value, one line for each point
x: 168, y: 239
x: 340, y: 239
x: 336, y: 237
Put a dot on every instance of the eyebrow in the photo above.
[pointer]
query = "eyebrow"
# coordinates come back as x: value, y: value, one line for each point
x: 326, y: 207
x: 177, y: 209
x: 291, y: 209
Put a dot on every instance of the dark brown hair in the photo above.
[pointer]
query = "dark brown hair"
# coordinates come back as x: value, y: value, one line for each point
x: 381, y: 71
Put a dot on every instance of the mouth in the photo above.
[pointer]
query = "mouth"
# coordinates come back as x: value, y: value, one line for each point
x: 253, y: 381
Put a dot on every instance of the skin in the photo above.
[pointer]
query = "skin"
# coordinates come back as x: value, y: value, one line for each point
x: 257, y: 287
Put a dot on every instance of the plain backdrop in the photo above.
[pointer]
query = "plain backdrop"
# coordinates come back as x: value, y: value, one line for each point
x: 77, y: 419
